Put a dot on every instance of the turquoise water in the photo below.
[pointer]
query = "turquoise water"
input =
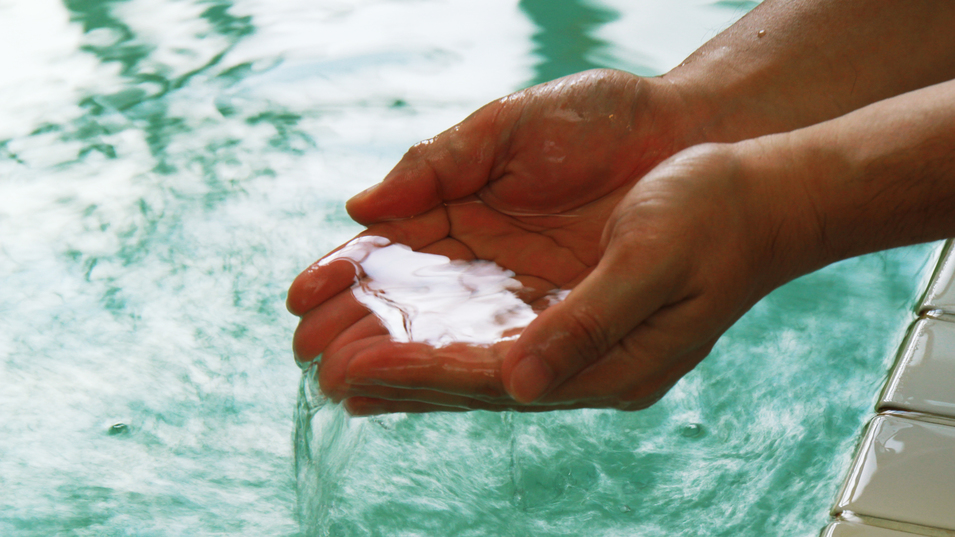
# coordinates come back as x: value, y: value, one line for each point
x: 167, y: 167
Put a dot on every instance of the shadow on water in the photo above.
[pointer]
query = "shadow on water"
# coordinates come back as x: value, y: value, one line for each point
x: 564, y: 41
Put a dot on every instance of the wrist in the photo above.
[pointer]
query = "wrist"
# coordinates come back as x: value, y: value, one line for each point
x: 730, y: 105
x: 787, y: 179
x: 880, y: 177
x: 682, y: 117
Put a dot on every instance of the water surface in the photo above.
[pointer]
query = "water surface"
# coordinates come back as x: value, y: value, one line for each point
x: 167, y: 167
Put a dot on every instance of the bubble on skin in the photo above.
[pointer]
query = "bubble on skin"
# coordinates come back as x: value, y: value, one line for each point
x: 429, y: 298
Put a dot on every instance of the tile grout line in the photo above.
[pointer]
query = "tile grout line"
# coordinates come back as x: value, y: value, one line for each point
x: 924, y: 312
x: 889, y: 524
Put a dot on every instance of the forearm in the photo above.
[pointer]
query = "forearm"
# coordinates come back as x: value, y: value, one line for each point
x: 880, y: 177
x: 790, y: 64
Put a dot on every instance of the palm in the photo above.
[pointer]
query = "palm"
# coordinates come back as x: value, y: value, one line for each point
x: 545, y: 251
x: 542, y: 171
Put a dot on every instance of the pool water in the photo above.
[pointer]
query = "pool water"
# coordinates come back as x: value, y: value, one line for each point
x: 167, y: 167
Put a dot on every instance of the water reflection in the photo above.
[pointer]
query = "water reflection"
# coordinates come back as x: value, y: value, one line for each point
x: 150, y: 74
x: 565, y: 42
x: 430, y: 299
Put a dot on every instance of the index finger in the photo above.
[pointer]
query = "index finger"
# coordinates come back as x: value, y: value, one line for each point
x: 337, y: 270
x: 454, y: 164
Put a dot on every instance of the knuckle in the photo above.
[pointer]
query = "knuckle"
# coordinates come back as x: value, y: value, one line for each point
x: 419, y: 149
x: 303, y: 348
x: 589, y: 337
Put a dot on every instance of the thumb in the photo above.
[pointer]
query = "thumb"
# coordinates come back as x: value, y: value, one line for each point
x: 454, y: 164
x: 571, y: 335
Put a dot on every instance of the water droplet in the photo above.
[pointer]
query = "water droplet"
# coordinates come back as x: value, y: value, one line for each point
x: 760, y: 34
x: 692, y: 430
x: 118, y: 428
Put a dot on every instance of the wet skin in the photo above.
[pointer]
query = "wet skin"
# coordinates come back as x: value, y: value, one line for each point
x: 528, y: 182
x: 549, y: 183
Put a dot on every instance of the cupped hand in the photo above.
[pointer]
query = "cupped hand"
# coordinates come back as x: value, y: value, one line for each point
x: 689, y: 249
x: 542, y: 183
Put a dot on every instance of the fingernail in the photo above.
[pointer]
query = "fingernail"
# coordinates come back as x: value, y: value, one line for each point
x: 367, y: 191
x: 530, y: 379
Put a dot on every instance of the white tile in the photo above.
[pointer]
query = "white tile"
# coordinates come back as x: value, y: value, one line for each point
x: 904, y: 471
x: 924, y: 377
x: 941, y: 290
x: 852, y: 529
